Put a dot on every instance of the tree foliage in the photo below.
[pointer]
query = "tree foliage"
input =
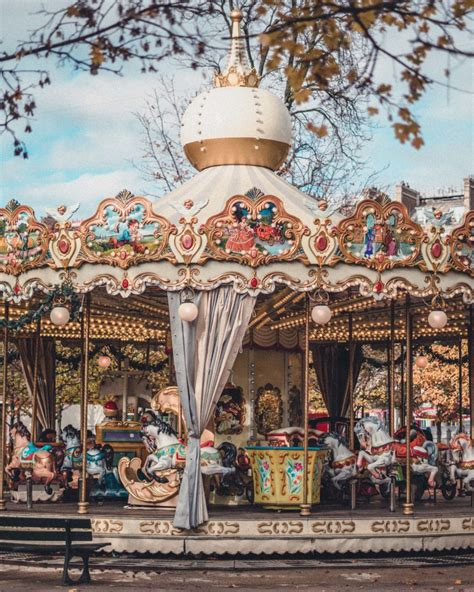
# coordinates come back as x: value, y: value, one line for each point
x: 326, y: 49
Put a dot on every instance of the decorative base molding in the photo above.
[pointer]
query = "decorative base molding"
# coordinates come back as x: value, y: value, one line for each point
x: 298, y: 535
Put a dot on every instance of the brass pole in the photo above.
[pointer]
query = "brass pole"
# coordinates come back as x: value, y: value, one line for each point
x: 350, y: 385
x: 460, y: 382
x: 3, y: 427
x: 305, y: 507
x: 402, y: 382
x: 470, y: 347
x: 85, y: 334
x: 391, y: 378
x: 34, y: 394
x: 408, y: 505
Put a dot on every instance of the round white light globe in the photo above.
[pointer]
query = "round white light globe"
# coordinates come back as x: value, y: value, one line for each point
x: 437, y: 319
x: 321, y: 314
x: 60, y: 315
x: 188, y: 311
x: 421, y: 362
x: 104, y: 361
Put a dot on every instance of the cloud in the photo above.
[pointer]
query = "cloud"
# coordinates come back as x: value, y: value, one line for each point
x: 88, y: 190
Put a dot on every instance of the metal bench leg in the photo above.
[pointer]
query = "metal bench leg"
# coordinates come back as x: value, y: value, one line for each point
x: 85, y: 575
x: 66, y: 580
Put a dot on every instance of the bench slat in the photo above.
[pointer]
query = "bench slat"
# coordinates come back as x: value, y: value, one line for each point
x: 23, y: 534
x: 51, y: 549
x: 45, y: 522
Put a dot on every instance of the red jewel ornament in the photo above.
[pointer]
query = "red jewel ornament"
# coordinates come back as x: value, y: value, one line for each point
x: 125, y: 283
x: 378, y: 286
x: 64, y: 246
x: 321, y: 242
x: 17, y: 288
x: 187, y: 242
x: 254, y: 282
x: 123, y: 255
x: 436, y: 250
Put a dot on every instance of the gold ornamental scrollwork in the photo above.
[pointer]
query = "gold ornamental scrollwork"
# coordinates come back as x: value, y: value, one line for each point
x: 125, y: 232
x: 468, y: 524
x: 253, y: 229
x: 433, y: 525
x: 219, y: 528
x: 333, y: 526
x: 280, y: 527
x: 101, y: 526
x: 157, y: 527
x: 380, y: 236
x: 462, y: 246
x: 390, y: 526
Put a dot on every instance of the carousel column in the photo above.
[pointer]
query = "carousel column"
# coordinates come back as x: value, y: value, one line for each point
x: 3, y: 427
x: 408, y: 505
x: 460, y: 383
x: 470, y: 348
x: 391, y: 378
x: 305, y: 507
x: 34, y: 406
x: 350, y: 386
x: 85, y: 334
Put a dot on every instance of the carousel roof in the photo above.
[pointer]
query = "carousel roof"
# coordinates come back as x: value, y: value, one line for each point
x: 237, y: 222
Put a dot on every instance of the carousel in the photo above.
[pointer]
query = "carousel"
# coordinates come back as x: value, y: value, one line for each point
x: 242, y: 288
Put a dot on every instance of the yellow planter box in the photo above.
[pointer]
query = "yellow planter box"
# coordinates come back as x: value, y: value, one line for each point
x: 277, y: 475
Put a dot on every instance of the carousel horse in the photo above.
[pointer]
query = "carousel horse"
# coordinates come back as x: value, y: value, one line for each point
x: 29, y: 459
x: 167, y: 452
x: 96, y: 458
x: 424, y: 453
x: 462, y: 451
x: 343, y: 464
x: 377, y: 449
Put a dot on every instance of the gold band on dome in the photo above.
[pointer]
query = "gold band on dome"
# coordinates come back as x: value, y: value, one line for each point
x: 270, y: 154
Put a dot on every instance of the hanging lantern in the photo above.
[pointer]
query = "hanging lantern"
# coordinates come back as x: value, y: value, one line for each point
x: 437, y: 319
x: 104, y: 361
x: 60, y: 315
x: 321, y: 314
x: 188, y: 312
x: 421, y: 362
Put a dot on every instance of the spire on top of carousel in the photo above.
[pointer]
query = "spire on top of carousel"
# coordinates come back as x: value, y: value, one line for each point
x: 238, y: 71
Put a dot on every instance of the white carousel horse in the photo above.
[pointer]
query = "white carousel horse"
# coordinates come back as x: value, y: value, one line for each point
x: 380, y: 450
x: 28, y: 458
x: 167, y: 452
x: 424, y: 453
x: 377, y: 449
x: 343, y: 464
x: 462, y: 451
x: 96, y: 463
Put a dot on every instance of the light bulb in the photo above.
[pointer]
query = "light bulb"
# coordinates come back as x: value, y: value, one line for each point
x: 104, y: 361
x: 437, y: 319
x: 60, y: 315
x: 421, y: 362
x: 321, y: 314
x: 188, y: 311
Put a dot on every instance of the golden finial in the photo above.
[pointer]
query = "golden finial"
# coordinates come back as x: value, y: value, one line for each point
x: 238, y: 71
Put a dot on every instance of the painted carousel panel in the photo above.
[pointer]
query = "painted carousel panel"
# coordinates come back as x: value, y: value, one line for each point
x: 380, y: 236
x: 278, y: 475
x: 23, y: 240
x: 254, y: 229
x: 125, y: 232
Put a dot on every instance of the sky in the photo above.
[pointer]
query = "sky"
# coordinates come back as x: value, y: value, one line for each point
x: 86, y: 137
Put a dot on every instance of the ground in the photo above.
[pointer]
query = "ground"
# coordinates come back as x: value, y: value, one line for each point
x: 334, y: 578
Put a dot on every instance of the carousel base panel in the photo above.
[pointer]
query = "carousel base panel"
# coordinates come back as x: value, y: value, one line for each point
x: 252, y: 531
x: 39, y: 494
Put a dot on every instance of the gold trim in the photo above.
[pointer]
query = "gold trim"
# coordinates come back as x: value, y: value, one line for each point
x: 266, y: 153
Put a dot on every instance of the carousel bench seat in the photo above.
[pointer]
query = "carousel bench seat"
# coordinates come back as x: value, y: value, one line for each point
x: 71, y: 537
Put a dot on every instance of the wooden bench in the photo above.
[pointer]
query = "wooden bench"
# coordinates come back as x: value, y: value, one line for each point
x: 71, y: 537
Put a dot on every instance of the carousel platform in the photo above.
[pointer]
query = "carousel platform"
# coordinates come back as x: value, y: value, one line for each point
x: 245, y: 530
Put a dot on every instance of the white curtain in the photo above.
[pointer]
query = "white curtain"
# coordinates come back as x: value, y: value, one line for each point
x: 204, y: 353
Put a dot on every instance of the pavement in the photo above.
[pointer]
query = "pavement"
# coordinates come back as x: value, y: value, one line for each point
x: 385, y: 578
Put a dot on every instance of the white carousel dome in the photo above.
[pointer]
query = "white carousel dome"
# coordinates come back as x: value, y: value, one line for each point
x: 237, y: 122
